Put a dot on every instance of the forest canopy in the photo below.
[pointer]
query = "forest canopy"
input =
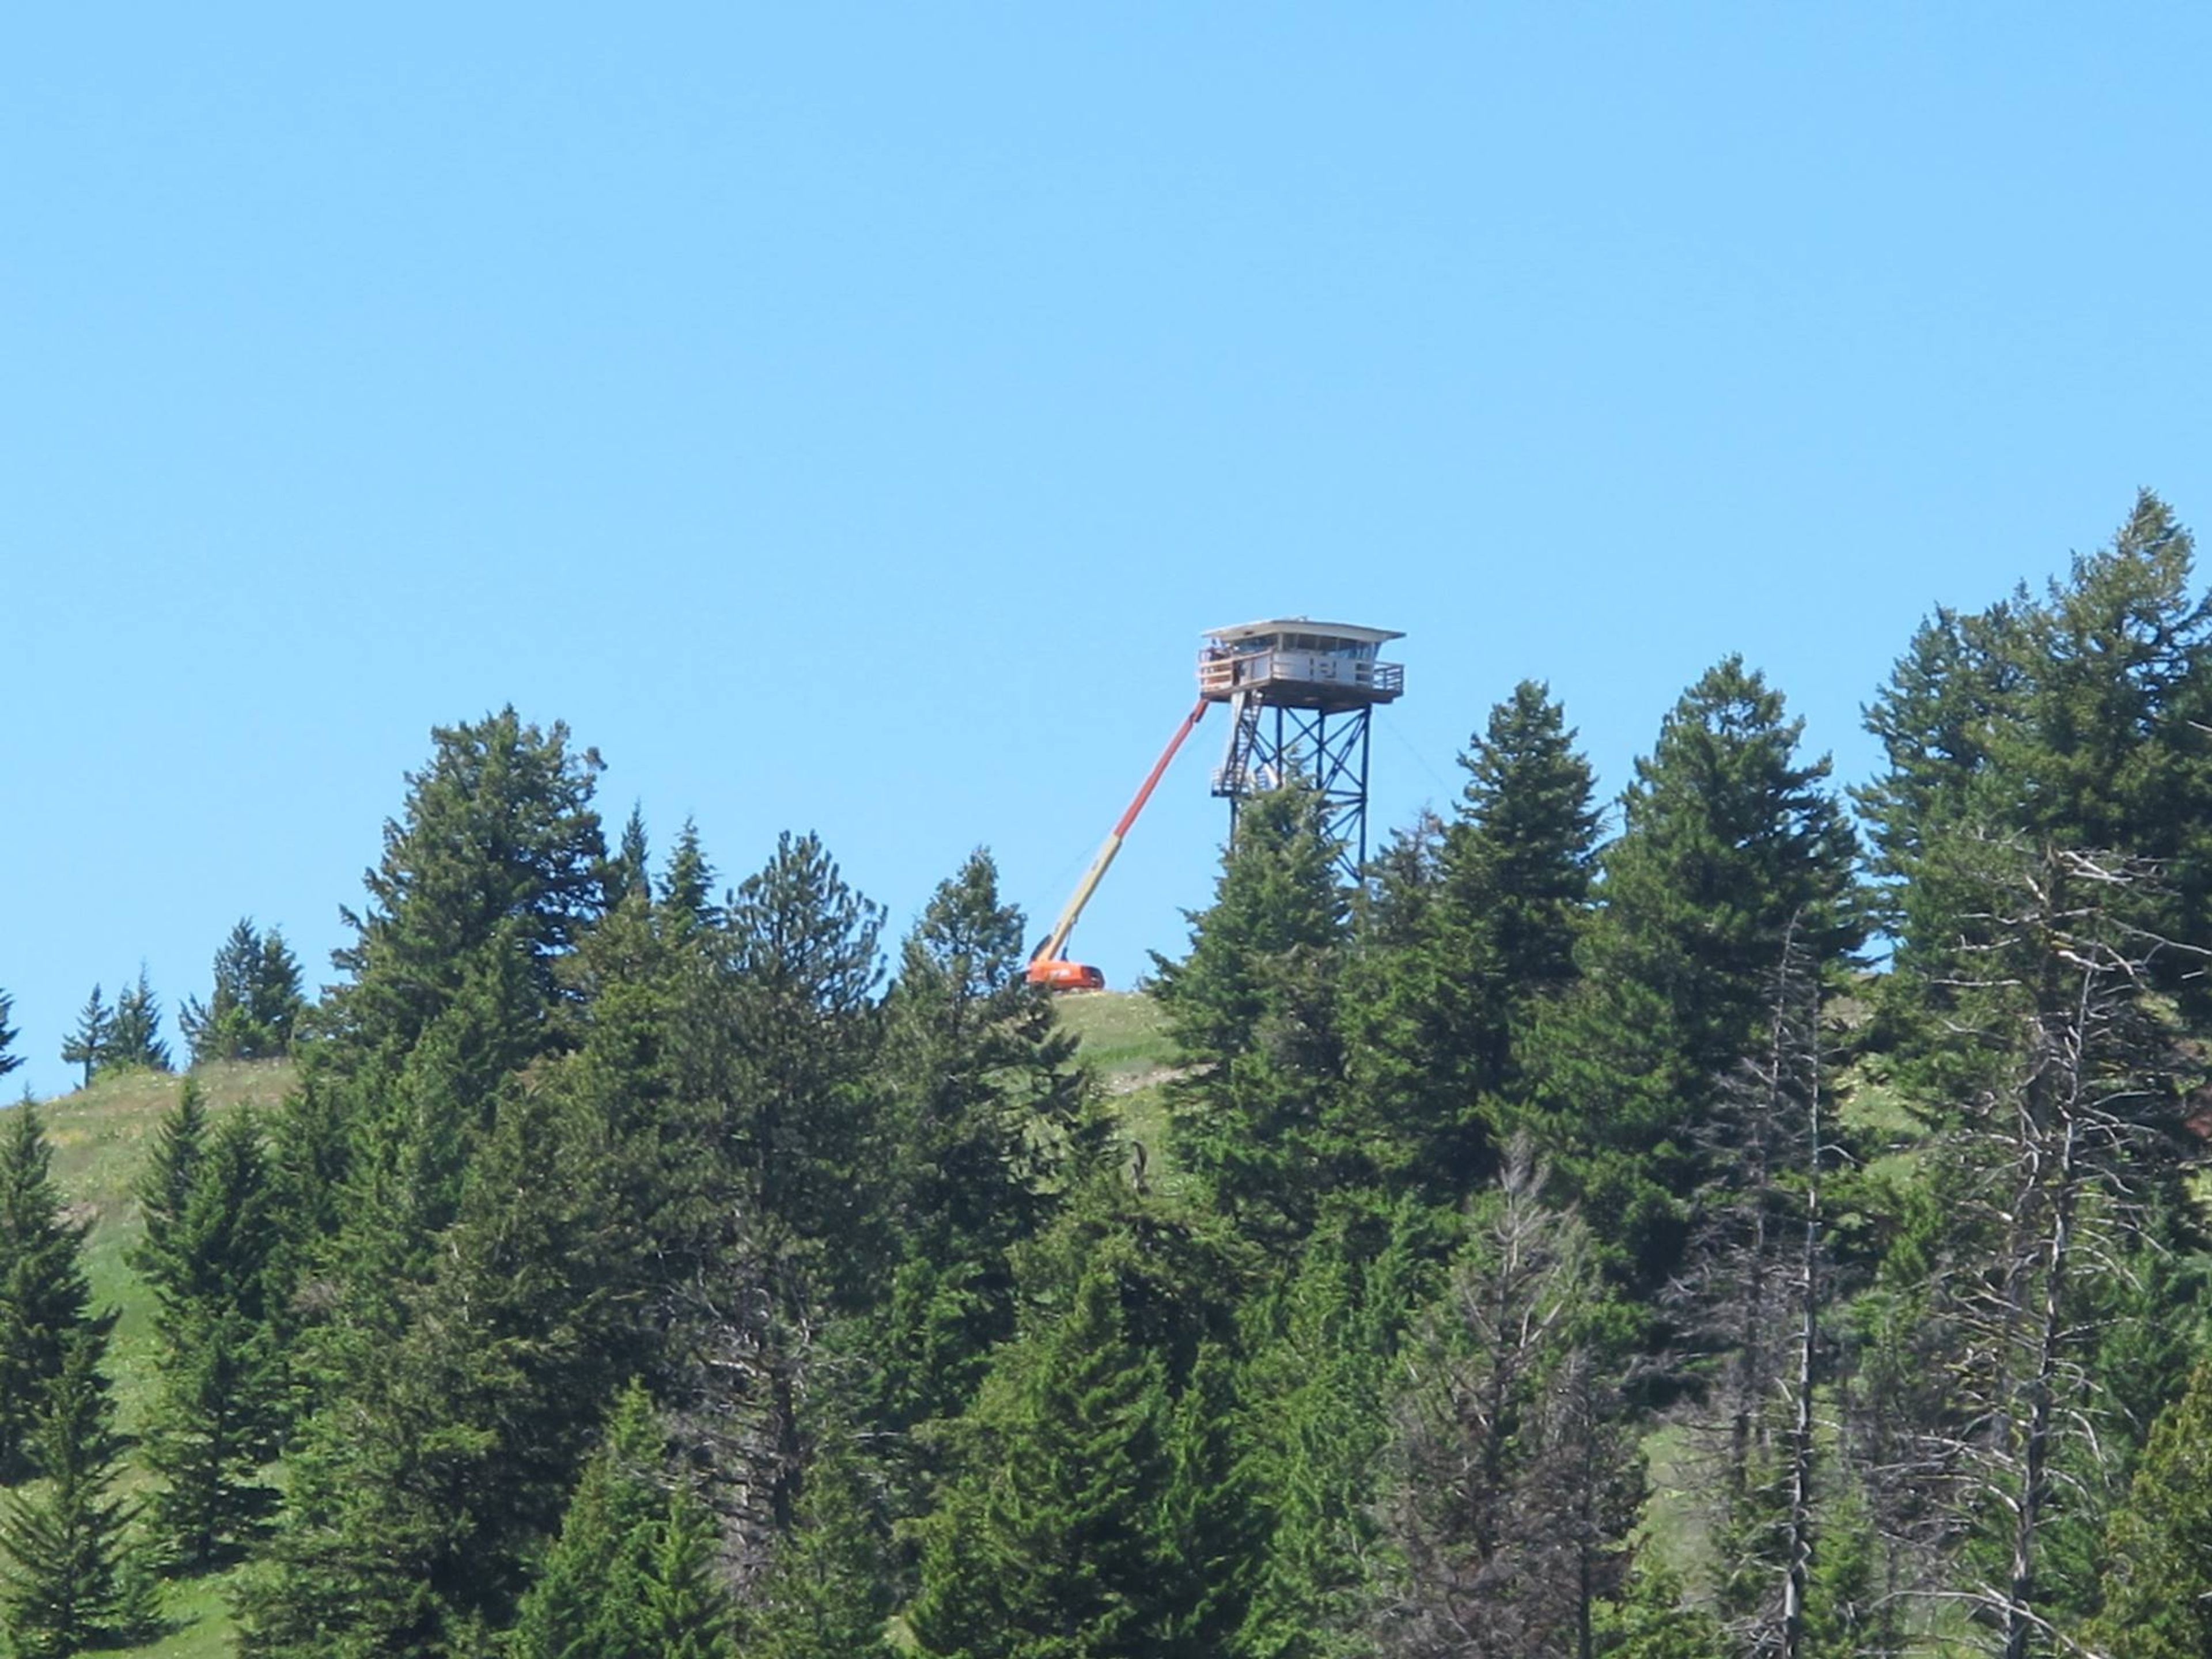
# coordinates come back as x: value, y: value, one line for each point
x: 1777, y: 1228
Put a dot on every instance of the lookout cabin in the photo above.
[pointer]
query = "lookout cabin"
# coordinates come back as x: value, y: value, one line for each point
x: 1294, y: 662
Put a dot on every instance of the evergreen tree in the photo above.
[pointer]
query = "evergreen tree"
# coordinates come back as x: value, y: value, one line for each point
x: 63, y: 1539
x: 806, y: 965
x: 687, y: 883
x: 497, y: 853
x: 1730, y: 846
x: 627, y: 871
x: 687, y: 1616
x: 450, y: 1422
x: 44, y: 1295
x: 207, y: 1254
x: 2158, y: 1596
x: 209, y: 1432
x: 1257, y: 1116
x: 1052, y: 1542
x: 1440, y: 993
x: 8, y: 1062
x: 164, y: 1188
x: 1653, y: 1617
x: 2047, y: 1179
x: 1092, y: 1503
x: 984, y: 1106
x: 831, y: 1591
x: 1521, y: 848
x: 256, y: 1000
x: 88, y: 1044
x: 1313, y: 1421
x: 134, y: 1033
x: 629, y: 1573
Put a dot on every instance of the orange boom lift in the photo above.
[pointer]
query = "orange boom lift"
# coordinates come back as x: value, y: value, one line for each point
x: 1049, y: 963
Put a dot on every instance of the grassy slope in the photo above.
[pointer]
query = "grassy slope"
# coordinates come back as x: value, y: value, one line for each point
x: 101, y: 1136
x: 1125, y: 1042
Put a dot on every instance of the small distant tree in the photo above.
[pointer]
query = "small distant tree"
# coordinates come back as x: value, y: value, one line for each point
x: 8, y: 1062
x: 63, y: 1541
x: 627, y: 871
x: 134, y: 1031
x: 86, y: 1045
x: 686, y: 884
x: 256, y: 1002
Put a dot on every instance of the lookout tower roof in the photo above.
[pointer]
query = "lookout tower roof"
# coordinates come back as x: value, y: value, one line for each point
x: 1268, y: 630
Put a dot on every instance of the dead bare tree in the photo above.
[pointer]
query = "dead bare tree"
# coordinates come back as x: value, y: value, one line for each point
x: 1513, y: 1482
x: 1748, y: 1305
x: 2054, y: 1157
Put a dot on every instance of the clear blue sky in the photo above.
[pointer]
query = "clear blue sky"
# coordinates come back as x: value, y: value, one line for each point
x: 849, y: 418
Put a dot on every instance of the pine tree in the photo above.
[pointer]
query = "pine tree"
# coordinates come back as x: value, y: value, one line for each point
x: 1478, y: 933
x: 164, y: 1188
x: 686, y: 1613
x: 134, y: 1032
x: 497, y: 853
x: 86, y: 1045
x: 630, y: 1572
x: 1092, y: 1502
x: 209, y: 1256
x: 1051, y: 1541
x: 2158, y: 1594
x: 450, y: 1422
x: 1730, y: 845
x: 2083, y: 716
x: 686, y: 884
x: 588, y: 1601
x: 984, y: 1107
x: 1313, y: 1422
x: 1653, y: 1617
x: 805, y: 966
x: 831, y: 1590
x: 8, y: 1062
x: 44, y: 1295
x: 63, y: 1539
x: 1253, y: 1008
x: 209, y: 1435
x: 256, y: 1003
x: 2047, y: 1177
x: 627, y: 871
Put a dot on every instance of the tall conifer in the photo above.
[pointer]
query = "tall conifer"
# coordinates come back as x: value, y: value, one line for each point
x: 62, y: 1587
x: 1257, y: 1117
x: 44, y: 1295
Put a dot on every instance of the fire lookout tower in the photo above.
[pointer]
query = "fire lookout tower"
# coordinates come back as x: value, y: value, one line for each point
x: 1300, y: 694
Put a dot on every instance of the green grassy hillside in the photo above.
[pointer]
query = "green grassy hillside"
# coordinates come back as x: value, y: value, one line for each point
x: 1124, y: 1041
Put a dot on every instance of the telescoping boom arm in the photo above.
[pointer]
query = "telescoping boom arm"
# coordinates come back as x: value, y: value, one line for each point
x: 1055, y: 942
